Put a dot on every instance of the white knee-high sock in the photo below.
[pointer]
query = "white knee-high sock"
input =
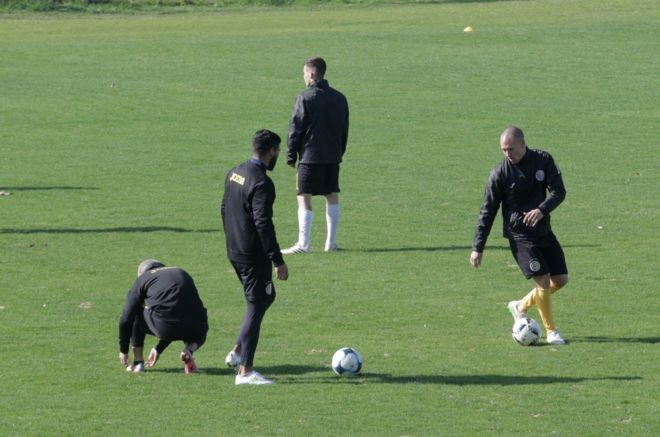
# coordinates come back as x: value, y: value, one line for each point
x: 332, y: 219
x: 305, y: 218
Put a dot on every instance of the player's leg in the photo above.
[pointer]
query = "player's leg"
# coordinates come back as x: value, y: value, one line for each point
x: 163, y: 329
x: 258, y: 298
x: 189, y: 365
x: 531, y: 260
x: 156, y: 352
x: 557, y: 282
x: 233, y: 358
x: 304, y: 189
x: 519, y: 308
x: 194, y: 337
x: 332, y: 211
x: 557, y: 262
x: 305, y: 219
x: 542, y: 298
x: 259, y: 295
x: 138, y: 334
x: 554, y: 255
x: 249, y: 334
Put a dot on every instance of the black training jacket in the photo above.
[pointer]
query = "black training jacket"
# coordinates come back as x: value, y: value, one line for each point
x: 535, y: 182
x: 170, y: 293
x: 247, y: 215
x: 318, y: 131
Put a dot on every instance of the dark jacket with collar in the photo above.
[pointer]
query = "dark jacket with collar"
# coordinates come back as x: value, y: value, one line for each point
x: 318, y: 131
x: 535, y: 182
x: 247, y: 215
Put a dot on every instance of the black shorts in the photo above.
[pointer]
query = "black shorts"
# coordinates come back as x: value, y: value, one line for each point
x: 539, y: 256
x: 317, y: 179
x: 191, y: 329
x: 257, y: 280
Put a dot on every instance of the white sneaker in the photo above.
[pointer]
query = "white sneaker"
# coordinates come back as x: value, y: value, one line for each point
x: 135, y: 368
x: 332, y: 248
x: 233, y: 359
x: 252, y: 378
x: 515, y: 312
x: 296, y: 248
x: 555, y: 338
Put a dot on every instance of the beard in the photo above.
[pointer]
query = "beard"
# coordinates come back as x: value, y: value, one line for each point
x: 271, y: 164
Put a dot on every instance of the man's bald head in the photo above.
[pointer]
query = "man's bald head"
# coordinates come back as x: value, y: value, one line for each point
x: 512, y: 143
x: 148, y: 264
x: 513, y: 133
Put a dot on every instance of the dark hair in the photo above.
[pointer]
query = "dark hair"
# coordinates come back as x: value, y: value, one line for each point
x: 318, y: 65
x: 264, y: 140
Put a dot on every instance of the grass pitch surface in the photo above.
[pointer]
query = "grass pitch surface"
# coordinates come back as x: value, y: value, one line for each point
x: 115, y: 136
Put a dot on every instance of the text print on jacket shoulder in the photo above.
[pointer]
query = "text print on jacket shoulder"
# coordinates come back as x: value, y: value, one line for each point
x: 240, y: 180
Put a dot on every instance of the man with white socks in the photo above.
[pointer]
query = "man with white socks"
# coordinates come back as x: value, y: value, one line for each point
x: 318, y: 134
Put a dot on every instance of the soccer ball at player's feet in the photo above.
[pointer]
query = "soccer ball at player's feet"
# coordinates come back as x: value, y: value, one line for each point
x: 347, y: 361
x: 526, y: 331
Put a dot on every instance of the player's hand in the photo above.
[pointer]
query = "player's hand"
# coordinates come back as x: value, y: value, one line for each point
x: 153, y: 358
x: 282, y: 272
x: 123, y: 359
x: 533, y: 217
x: 475, y: 258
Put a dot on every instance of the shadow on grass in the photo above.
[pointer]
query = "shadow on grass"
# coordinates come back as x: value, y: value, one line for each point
x: 489, y: 379
x: 293, y: 374
x: 461, y: 380
x: 121, y: 229
x: 434, y: 2
x: 54, y: 188
x: 602, y: 339
x: 216, y: 371
x: 268, y: 370
x: 442, y: 248
x: 419, y: 249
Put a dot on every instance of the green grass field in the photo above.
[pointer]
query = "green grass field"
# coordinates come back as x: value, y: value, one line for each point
x: 115, y: 136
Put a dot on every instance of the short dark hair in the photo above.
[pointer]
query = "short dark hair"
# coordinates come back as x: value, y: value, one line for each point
x: 318, y: 65
x: 264, y: 140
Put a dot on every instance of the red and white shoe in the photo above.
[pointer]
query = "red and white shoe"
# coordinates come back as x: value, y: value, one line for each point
x: 189, y: 365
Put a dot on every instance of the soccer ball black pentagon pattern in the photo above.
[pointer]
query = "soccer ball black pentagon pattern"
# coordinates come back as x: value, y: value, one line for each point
x: 347, y: 361
x: 526, y: 331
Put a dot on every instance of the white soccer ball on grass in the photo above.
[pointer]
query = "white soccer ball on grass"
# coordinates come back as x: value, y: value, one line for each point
x: 526, y: 331
x: 347, y: 361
